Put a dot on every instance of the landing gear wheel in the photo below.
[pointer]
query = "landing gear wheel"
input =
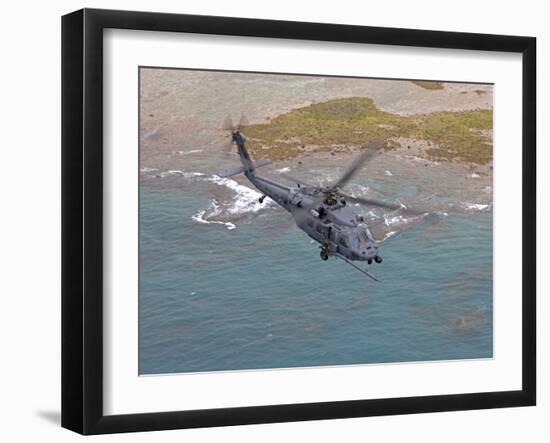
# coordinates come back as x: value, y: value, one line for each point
x: 261, y: 199
x: 369, y: 261
x: 378, y: 259
x: 324, y: 255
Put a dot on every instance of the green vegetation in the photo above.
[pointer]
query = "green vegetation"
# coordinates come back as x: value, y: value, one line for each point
x: 462, y: 136
x: 428, y: 84
x: 347, y: 124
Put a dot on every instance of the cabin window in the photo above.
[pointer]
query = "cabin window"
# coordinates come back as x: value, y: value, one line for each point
x: 343, y: 241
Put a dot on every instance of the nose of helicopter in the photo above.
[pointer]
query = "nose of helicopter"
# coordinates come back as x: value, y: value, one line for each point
x: 369, y: 251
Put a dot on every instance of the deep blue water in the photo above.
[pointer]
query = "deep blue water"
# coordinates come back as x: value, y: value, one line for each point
x: 258, y: 296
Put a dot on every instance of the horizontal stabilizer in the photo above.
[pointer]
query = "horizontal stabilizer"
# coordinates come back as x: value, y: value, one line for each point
x: 240, y: 169
x: 230, y: 172
x: 263, y: 162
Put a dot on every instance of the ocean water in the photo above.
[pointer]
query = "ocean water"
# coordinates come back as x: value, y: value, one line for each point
x: 228, y: 284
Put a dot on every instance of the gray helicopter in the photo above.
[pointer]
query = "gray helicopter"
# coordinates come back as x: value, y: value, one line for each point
x: 322, y: 212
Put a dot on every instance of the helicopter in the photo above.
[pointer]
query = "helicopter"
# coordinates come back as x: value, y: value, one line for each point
x: 322, y: 212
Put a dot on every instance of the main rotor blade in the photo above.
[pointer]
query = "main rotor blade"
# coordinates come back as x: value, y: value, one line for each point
x: 228, y: 123
x: 295, y: 180
x: 242, y: 122
x: 227, y: 146
x: 382, y: 204
x: 368, y: 154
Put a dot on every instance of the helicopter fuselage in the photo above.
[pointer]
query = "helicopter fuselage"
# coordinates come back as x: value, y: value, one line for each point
x: 326, y: 219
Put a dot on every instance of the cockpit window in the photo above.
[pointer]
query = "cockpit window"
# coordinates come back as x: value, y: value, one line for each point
x: 365, y: 235
x: 362, y: 236
x: 369, y: 235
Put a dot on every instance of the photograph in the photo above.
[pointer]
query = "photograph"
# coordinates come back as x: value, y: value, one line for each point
x: 292, y: 220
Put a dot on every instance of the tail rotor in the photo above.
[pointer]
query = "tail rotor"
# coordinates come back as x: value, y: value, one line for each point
x: 228, y: 125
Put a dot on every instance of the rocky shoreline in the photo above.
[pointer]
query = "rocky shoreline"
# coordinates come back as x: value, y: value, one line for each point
x: 182, y: 112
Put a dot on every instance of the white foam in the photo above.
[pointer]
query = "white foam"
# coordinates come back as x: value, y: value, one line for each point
x: 192, y: 151
x: 170, y: 173
x: 199, y: 217
x: 145, y: 169
x: 388, y: 173
x: 176, y: 172
x: 192, y: 174
x: 476, y: 207
x: 246, y: 199
x: 474, y: 175
x: 286, y: 169
x: 394, y: 220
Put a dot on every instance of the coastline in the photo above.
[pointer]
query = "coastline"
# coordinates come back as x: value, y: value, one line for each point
x: 181, y: 111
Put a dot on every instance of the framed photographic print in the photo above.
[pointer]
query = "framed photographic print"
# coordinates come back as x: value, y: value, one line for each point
x: 270, y: 221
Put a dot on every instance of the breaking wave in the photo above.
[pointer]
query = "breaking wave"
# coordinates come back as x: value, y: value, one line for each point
x: 245, y: 200
x: 200, y: 217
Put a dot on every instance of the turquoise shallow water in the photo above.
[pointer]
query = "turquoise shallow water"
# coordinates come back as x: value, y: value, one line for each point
x: 258, y: 296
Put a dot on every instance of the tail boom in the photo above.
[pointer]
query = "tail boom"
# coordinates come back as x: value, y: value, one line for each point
x: 240, y: 169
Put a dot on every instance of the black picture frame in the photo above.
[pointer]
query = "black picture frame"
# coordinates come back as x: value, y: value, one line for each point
x: 82, y: 219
